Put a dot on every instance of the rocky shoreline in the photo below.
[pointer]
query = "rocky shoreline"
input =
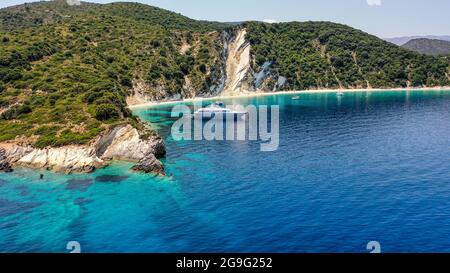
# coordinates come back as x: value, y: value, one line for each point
x: 122, y: 143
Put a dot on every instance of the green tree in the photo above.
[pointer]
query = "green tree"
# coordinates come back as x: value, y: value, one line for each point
x: 106, y: 112
x: 203, y: 68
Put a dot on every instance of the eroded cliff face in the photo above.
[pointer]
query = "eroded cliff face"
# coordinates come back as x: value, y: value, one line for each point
x: 122, y: 143
x: 240, y: 76
x: 237, y: 64
x: 234, y: 74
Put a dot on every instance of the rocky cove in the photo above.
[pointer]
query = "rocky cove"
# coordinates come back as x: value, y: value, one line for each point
x: 124, y: 143
x: 235, y: 74
x: 121, y: 143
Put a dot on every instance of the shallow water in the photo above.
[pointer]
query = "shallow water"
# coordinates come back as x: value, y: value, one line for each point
x: 368, y: 166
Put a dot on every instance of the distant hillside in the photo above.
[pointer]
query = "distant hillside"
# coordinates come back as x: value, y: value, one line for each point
x: 403, y: 40
x: 67, y: 73
x: 428, y: 46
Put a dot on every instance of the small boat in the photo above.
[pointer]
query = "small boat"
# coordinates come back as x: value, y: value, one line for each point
x: 218, y: 108
x: 296, y: 98
x: 340, y: 94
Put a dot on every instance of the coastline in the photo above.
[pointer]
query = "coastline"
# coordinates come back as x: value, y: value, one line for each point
x: 123, y: 143
x: 250, y: 94
x: 87, y: 158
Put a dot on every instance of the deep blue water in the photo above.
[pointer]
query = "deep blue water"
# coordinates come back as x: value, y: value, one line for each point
x: 368, y: 166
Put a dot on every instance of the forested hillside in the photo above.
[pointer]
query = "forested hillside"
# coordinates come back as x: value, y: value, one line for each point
x: 328, y: 55
x: 66, y: 72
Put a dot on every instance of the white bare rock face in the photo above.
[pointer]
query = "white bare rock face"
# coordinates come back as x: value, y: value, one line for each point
x: 73, y: 2
x: 238, y: 63
x: 65, y: 159
x: 126, y: 145
x: 122, y: 143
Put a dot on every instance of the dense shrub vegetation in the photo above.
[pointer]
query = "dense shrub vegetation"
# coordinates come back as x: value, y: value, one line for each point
x: 65, y: 71
x: 328, y: 55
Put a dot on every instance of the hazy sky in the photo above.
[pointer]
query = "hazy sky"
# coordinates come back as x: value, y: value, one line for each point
x: 384, y: 18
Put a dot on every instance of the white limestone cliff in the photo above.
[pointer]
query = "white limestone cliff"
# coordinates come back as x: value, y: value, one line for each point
x: 237, y: 64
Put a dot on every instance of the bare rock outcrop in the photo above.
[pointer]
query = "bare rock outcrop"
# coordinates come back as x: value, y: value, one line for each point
x: 4, y: 164
x: 121, y: 143
x: 10, y: 154
x: 238, y: 64
x: 150, y: 164
x: 69, y: 159
x: 124, y: 143
x: 159, y: 147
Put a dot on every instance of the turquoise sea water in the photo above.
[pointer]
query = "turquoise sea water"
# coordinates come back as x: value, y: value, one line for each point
x: 364, y: 167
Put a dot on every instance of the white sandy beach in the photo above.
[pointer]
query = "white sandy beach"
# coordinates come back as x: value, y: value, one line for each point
x: 293, y: 92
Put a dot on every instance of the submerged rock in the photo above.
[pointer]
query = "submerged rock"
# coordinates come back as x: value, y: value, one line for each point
x: 79, y: 184
x: 111, y: 178
x: 80, y: 201
x: 150, y: 164
x: 9, y: 207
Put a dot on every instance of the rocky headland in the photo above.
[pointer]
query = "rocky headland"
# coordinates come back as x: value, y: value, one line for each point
x: 121, y: 143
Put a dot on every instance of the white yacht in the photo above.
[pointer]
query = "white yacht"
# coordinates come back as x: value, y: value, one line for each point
x: 218, y: 108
